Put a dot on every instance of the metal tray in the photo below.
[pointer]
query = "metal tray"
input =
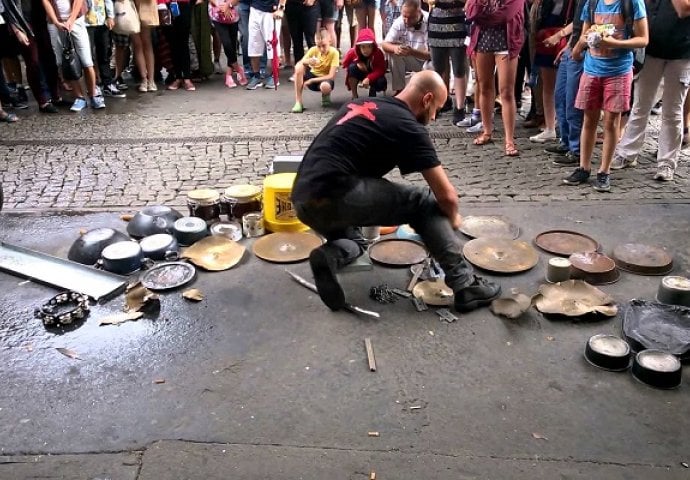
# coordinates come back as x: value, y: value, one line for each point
x: 397, y: 252
x: 60, y: 273
x: 566, y: 242
x: 643, y: 259
x: 166, y: 276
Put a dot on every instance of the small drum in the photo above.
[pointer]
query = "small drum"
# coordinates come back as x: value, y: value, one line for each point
x: 253, y: 224
x: 204, y: 203
x: 239, y: 200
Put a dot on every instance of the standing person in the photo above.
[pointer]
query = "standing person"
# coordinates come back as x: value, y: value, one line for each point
x: 365, y: 64
x: 606, y: 81
x: 407, y: 43
x: 201, y: 35
x: 552, y: 18
x: 667, y: 59
x: 567, y: 84
x: 100, y: 20
x: 339, y: 187
x: 67, y: 21
x: 177, y: 35
x: 366, y: 13
x: 225, y: 17
x: 301, y: 17
x: 244, y: 38
x: 264, y: 19
x: 447, y: 32
x: 316, y: 71
x: 142, y: 43
x: 496, y: 38
x: 347, y: 11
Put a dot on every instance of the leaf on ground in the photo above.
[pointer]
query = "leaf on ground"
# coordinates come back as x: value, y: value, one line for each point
x: 67, y: 352
x: 550, y: 338
x: 126, y: 217
x: 120, y: 317
x: 82, y: 231
x: 138, y: 297
x: 193, y: 294
x: 158, y: 381
x: 539, y: 436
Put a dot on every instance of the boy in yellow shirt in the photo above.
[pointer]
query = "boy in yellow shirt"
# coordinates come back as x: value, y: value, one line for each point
x: 316, y: 71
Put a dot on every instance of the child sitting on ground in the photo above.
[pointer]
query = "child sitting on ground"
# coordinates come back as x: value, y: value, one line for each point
x: 316, y: 71
x: 365, y: 65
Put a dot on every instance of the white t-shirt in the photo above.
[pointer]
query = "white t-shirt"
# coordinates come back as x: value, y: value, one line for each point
x: 411, y: 37
x: 64, y: 9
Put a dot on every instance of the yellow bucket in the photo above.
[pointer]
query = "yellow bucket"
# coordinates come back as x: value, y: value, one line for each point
x: 279, y: 213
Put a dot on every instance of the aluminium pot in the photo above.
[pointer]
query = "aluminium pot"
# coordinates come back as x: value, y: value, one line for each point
x: 122, y: 258
x: 161, y: 246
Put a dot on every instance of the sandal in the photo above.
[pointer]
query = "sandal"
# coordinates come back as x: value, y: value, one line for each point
x: 511, y: 151
x: 174, y: 85
x: 482, y: 139
x: 9, y: 118
x: 189, y: 86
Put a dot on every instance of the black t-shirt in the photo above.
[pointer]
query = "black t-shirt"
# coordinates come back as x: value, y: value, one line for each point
x: 264, y: 5
x: 368, y: 137
x: 669, y: 35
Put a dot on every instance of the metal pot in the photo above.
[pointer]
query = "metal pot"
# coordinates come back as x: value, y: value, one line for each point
x: 122, y: 257
x: 152, y: 220
x: 161, y: 246
x: 88, y: 247
x: 189, y: 230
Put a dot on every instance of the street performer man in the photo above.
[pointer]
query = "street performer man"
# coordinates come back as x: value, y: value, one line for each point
x: 339, y: 187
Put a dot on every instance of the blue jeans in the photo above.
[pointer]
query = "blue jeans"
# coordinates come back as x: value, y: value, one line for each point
x: 376, y: 201
x: 244, y: 39
x: 569, y: 117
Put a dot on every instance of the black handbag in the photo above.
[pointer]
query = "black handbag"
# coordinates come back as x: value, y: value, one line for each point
x: 71, y: 66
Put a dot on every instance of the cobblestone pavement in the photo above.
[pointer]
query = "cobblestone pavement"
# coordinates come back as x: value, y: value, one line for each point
x: 117, y: 161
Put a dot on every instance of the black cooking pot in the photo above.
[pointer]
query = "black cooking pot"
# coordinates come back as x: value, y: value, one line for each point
x: 122, y: 257
x: 189, y: 230
x: 152, y: 220
x: 161, y: 246
x: 88, y: 247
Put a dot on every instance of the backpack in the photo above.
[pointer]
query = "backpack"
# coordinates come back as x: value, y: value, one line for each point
x: 627, y: 12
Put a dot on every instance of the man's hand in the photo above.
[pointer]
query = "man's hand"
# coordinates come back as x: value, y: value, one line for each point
x: 22, y: 38
x: 402, y: 50
x: 110, y: 23
x: 456, y: 222
x: 278, y: 14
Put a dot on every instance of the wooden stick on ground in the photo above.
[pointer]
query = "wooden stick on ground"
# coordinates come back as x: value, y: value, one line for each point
x: 370, y: 354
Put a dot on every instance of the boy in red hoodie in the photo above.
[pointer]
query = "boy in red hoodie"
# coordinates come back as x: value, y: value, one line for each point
x: 365, y: 65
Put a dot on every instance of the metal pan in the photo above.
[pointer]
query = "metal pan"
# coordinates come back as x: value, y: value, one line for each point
x: 566, y: 242
x: 643, y: 259
x: 397, y: 252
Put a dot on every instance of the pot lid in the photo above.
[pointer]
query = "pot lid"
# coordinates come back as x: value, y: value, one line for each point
x: 203, y: 195
x: 242, y: 192
x: 190, y: 225
x: 121, y: 250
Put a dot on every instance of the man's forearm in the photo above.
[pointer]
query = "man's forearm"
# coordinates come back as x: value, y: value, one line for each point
x: 420, y: 54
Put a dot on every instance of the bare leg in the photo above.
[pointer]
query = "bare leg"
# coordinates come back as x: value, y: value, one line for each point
x: 507, y: 69
x: 485, y: 79
x: 299, y: 82
x: 588, y: 138
x: 548, y: 78
x: 611, y: 124
x: 147, y: 47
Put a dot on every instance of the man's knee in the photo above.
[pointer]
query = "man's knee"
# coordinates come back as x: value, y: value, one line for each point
x: 325, y: 87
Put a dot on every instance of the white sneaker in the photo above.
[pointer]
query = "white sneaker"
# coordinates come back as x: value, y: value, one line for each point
x: 144, y: 86
x: 543, y: 137
x: 478, y: 128
x: 664, y: 173
x: 619, y: 162
x: 152, y: 86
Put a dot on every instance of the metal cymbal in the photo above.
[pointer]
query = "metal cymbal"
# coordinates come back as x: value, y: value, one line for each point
x: 214, y: 253
x: 566, y: 242
x: 396, y: 252
x: 286, y: 247
x: 434, y: 292
x: 500, y: 255
x: 643, y: 259
x: 483, y: 226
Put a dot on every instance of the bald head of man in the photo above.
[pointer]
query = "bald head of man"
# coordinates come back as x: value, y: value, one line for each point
x: 425, y: 94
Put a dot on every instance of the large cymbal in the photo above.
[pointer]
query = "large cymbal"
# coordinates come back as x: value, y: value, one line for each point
x: 566, y: 242
x: 500, y: 254
x: 396, y: 252
x: 286, y: 247
x: 214, y: 253
x: 495, y: 226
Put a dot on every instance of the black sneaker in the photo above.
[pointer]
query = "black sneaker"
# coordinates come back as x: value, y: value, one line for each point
x: 112, y: 91
x: 580, y: 175
x: 602, y: 183
x: 479, y: 294
x: 567, y: 160
x: 121, y: 84
x: 458, y: 116
x: 48, y: 108
x: 323, y: 267
x: 557, y: 149
x: 447, y: 107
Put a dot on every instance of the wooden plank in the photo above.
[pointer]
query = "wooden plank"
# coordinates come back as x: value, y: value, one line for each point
x: 370, y: 354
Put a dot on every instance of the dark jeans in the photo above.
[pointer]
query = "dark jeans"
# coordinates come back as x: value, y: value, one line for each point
x: 302, y: 24
x: 31, y: 58
x: 569, y: 118
x: 228, y: 37
x: 375, y: 201
x: 5, y: 94
x: 177, y: 36
x: 100, y: 40
x: 379, y: 85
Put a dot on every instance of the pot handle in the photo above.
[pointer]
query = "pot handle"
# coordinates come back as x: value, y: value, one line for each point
x: 147, y: 263
x: 172, y: 255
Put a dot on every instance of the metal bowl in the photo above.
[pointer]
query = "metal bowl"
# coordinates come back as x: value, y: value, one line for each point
x: 608, y: 352
x: 88, y: 247
x: 152, y: 220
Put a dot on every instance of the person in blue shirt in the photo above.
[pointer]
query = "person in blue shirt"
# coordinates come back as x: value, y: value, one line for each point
x: 607, y: 79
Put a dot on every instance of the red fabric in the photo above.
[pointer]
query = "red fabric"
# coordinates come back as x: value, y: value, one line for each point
x: 510, y: 13
x: 377, y: 59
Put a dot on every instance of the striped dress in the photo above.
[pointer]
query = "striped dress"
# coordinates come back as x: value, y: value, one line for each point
x: 447, y: 24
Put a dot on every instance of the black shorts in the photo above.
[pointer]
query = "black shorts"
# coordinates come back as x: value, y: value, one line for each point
x: 327, y: 9
x: 9, y: 46
x: 315, y: 87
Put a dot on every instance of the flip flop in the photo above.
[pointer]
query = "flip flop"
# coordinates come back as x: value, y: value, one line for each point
x: 9, y: 118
